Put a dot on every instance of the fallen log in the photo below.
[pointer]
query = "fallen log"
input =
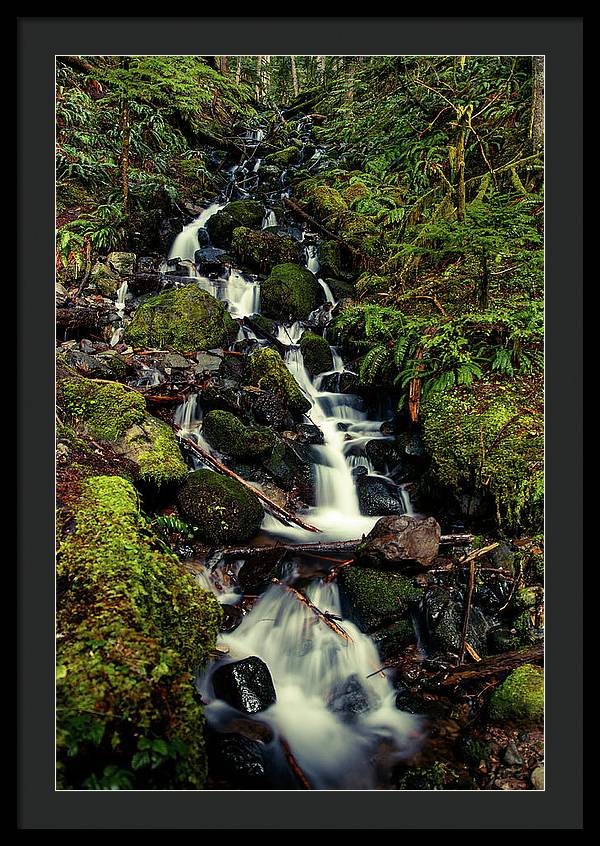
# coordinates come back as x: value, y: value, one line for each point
x: 323, y: 229
x: 294, y: 765
x: 487, y: 667
x: 325, y: 618
x: 278, y: 511
x: 326, y: 546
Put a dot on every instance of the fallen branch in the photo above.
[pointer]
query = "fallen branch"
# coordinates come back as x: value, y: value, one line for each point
x: 325, y: 618
x: 262, y: 333
x: 478, y: 553
x: 326, y: 546
x: 487, y: 667
x: 465, y: 627
x: 294, y: 765
x: 323, y: 229
x: 280, y: 513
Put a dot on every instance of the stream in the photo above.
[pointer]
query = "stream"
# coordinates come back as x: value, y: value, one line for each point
x: 315, y: 671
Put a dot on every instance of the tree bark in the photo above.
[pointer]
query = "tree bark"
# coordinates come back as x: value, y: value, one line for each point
x: 488, y: 667
x: 325, y: 546
x: 125, y: 137
x: 238, y: 70
x: 295, y: 76
x: 461, y: 198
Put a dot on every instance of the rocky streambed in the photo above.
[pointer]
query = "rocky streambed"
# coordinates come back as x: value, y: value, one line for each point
x: 293, y: 494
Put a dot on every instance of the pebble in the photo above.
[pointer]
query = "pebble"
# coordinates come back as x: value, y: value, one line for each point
x: 511, y: 756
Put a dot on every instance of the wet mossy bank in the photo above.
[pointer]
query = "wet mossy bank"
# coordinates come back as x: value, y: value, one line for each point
x: 132, y: 628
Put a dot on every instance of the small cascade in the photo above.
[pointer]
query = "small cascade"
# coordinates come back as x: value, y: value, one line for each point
x: 312, y: 264
x: 269, y: 219
x: 333, y: 707
x: 188, y: 415
x: 186, y: 243
x: 120, y: 309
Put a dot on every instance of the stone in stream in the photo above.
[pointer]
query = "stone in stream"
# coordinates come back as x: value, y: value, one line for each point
x: 210, y: 260
x: 382, y: 454
x: 290, y: 292
x: 246, y: 685
x: 236, y: 760
x: 266, y: 370
x: 221, y: 225
x: 373, y: 599
x: 122, y: 263
x: 394, y: 540
x: 224, y: 510
x: 262, y: 250
x: 348, y: 698
x: 378, y: 496
x: 316, y: 353
x: 444, y: 615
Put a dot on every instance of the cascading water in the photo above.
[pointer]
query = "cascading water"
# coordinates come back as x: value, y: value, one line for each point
x: 120, y: 309
x: 315, y: 669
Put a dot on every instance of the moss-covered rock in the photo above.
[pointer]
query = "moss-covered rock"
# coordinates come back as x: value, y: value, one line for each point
x: 223, y: 510
x: 181, y: 320
x: 220, y: 226
x: 373, y: 599
x: 520, y: 697
x: 263, y: 250
x: 116, y: 414
x: 290, y: 292
x: 316, y: 353
x: 106, y: 411
x: 229, y: 435
x: 151, y: 444
x: 105, y: 280
x: 266, y: 370
x: 355, y: 191
x: 327, y: 203
x: 122, y: 263
x: 283, y: 158
x: 330, y: 259
x: 132, y: 625
x: 480, y: 443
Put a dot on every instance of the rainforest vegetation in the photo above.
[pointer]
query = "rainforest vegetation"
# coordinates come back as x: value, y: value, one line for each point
x: 366, y: 245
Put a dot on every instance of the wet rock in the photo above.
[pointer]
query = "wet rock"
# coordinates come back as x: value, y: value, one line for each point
x: 377, y: 496
x: 373, y: 599
x: 89, y: 365
x: 236, y: 761
x: 266, y: 370
x: 393, y: 540
x: 290, y: 292
x: 283, y: 158
x: 261, y: 251
x: 394, y: 639
x: 345, y: 382
x: 221, y: 225
x: 316, y: 353
x: 181, y: 320
x: 348, y: 698
x: 210, y: 260
x: 230, y: 436
x: 382, y: 454
x: 246, y: 685
x: 222, y: 394
x: 222, y: 508
x: 203, y: 237
x: 311, y: 434
x: 444, y: 614
x: 266, y: 408
x: 520, y: 697
x: 145, y: 282
x: 290, y: 467
x: 511, y: 755
x: 232, y: 617
x: 104, y: 279
x: 502, y: 639
x: 255, y: 573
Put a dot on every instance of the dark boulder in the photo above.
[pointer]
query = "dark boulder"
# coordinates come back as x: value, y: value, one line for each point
x: 373, y: 599
x: 246, y: 685
x: 444, y: 615
x: 238, y: 213
x: 394, y: 540
x: 377, y: 496
x: 236, y: 762
x: 348, y: 698
x: 382, y: 454
x: 210, y: 260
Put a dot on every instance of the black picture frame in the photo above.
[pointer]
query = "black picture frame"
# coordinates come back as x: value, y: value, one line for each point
x: 559, y: 805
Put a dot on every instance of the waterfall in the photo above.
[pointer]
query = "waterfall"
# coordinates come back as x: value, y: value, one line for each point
x: 186, y: 243
x: 269, y: 219
x: 313, y: 668
x: 120, y: 309
x: 312, y: 264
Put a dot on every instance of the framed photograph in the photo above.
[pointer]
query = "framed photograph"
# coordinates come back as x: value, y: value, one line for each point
x: 303, y: 384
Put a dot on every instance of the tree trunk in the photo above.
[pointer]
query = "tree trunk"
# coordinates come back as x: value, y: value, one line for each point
x: 295, y: 76
x: 238, y: 70
x: 461, y: 202
x: 223, y: 65
x: 125, y: 136
x: 537, y: 122
x: 258, y: 88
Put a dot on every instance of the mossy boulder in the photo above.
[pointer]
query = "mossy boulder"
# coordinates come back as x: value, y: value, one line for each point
x: 263, y: 250
x: 117, y: 415
x: 327, y: 203
x: 290, y: 292
x: 372, y: 598
x: 266, y: 370
x: 316, y: 353
x: 223, y: 509
x: 330, y: 258
x: 355, y: 192
x: 122, y: 263
x: 181, y: 320
x: 229, y: 435
x: 520, y: 697
x: 152, y: 446
x: 104, y: 279
x: 220, y: 226
x: 283, y: 158
x: 132, y: 626
x: 482, y: 442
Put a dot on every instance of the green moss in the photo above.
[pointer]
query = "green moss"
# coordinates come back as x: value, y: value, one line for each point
x: 105, y: 410
x: 290, y: 292
x: 520, y: 697
x: 316, y: 353
x: 267, y: 371
x: 181, y: 320
x: 228, y: 434
x: 283, y: 158
x: 132, y: 625
x: 481, y: 442
x: 262, y: 250
x: 104, y: 279
x: 325, y: 202
x: 377, y: 598
x: 424, y: 778
x: 223, y: 509
x: 220, y: 226
x: 355, y: 191
x: 330, y: 259
x: 155, y: 450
